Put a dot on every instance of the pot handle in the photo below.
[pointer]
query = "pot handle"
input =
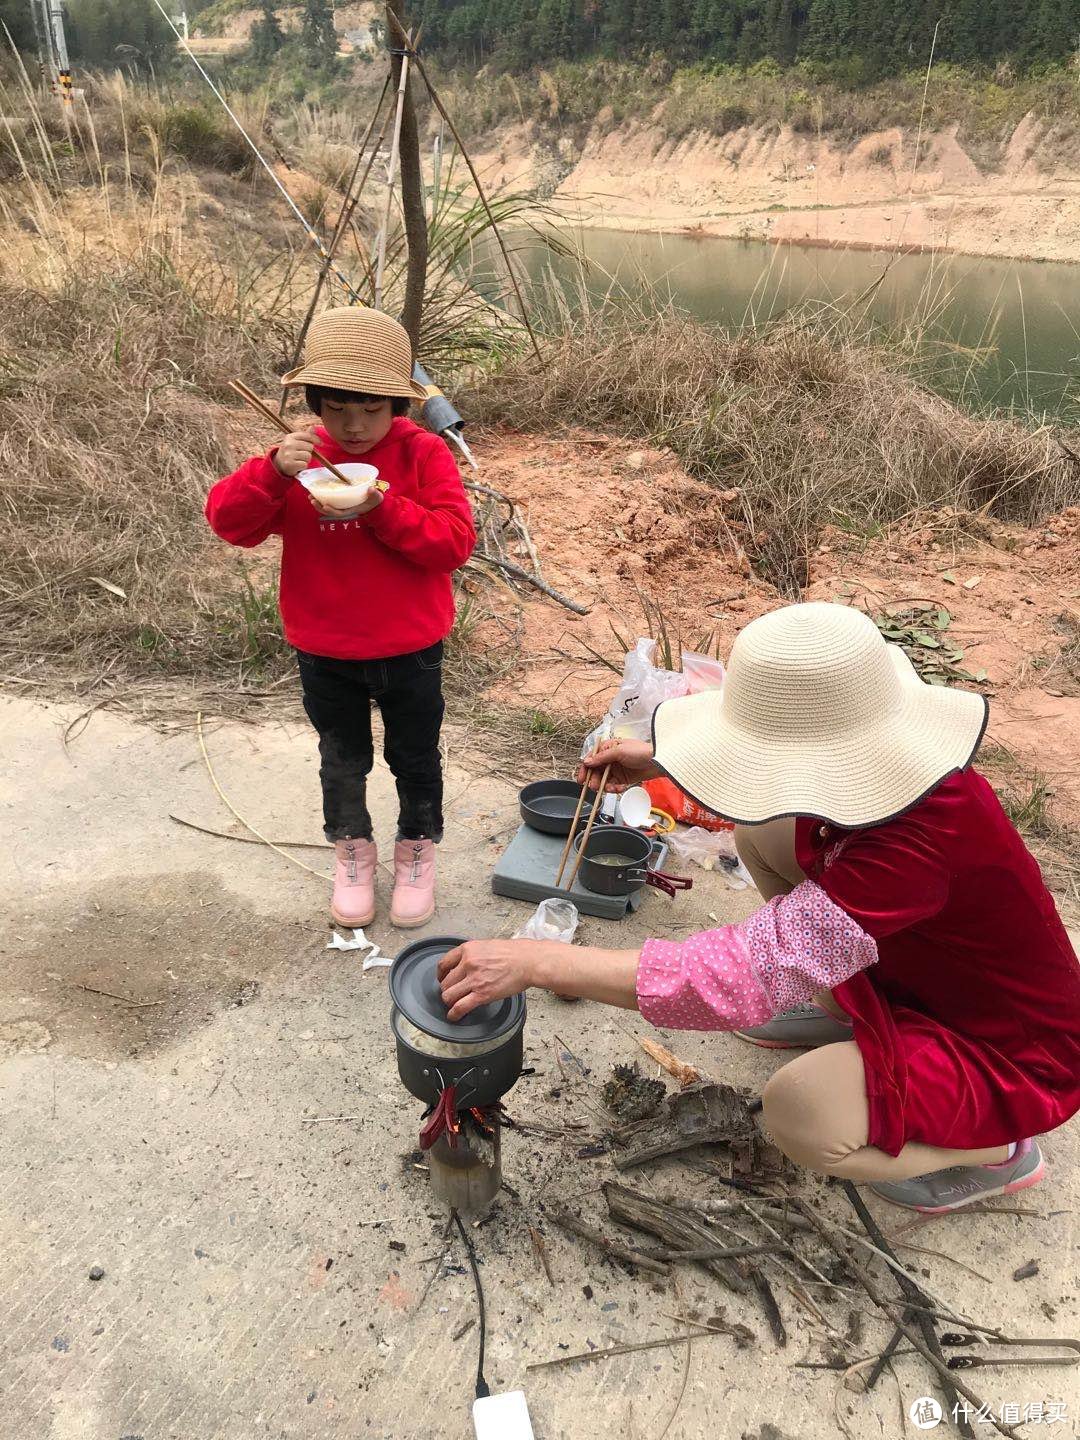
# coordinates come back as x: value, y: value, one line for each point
x: 669, y: 884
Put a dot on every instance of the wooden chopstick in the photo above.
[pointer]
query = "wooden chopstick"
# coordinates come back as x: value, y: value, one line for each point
x: 275, y: 419
x: 597, y: 804
x: 573, y: 828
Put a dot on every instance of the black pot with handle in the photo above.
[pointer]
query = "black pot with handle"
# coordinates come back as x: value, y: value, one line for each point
x: 481, y: 1055
x: 616, y: 861
x: 549, y: 806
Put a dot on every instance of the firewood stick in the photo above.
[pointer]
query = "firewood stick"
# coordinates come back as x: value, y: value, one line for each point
x: 566, y: 1220
x: 894, y: 1313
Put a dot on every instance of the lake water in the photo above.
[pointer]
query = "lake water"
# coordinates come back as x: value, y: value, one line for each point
x: 1002, y: 333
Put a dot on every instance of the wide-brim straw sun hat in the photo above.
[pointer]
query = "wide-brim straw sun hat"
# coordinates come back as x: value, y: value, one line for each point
x: 354, y: 348
x: 818, y: 716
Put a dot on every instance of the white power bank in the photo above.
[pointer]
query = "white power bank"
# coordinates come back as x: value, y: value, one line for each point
x: 502, y: 1417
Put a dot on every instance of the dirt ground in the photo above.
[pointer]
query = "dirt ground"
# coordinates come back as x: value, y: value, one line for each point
x: 200, y: 1098
x: 641, y: 527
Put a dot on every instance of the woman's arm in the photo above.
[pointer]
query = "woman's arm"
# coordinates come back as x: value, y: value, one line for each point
x: 721, y: 979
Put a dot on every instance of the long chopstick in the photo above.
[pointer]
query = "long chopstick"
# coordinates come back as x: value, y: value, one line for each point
x: 275, y: 419
x: 597, y: 804
x: 573, y: 829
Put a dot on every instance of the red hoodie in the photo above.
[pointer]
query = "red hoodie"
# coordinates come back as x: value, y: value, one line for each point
x: 371, y: 587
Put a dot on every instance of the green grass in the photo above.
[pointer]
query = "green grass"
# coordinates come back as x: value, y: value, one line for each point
x: 541, y: 724
x: 252, y: 625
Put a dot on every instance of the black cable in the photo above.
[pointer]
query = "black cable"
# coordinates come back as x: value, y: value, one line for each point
x: 481, y: 1384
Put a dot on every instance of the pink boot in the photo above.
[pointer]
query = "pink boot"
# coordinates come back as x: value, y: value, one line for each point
x: 413, y: 903
x: 353, y: 902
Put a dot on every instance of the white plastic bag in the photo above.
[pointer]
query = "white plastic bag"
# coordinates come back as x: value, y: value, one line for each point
x: 552, y: 920
x: 644, y: 687
x: 702, y: 672
x: 712, y: 850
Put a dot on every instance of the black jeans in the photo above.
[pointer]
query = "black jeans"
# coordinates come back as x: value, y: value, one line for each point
x: 338, y: 696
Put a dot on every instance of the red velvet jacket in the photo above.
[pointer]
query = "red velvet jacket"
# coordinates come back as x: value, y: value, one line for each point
x: 371, y: 587
x: 936, y: 934
x: 969, y: 1023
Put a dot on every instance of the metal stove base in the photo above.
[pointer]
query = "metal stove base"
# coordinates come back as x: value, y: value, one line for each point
x: 526, y: 871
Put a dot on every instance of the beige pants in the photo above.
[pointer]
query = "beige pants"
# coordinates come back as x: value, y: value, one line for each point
x: 815, y: 1107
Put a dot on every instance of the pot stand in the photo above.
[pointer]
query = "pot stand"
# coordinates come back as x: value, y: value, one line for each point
x: 526, y: 871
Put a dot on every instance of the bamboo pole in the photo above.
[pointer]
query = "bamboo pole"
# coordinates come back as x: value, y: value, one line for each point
x: 413, y: 210
x: 395, y: 146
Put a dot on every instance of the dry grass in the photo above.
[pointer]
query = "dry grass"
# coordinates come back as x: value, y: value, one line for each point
x: 107, y: 448
x: 809, y: 421
x: 1028, y: 798
x: 571, y: 96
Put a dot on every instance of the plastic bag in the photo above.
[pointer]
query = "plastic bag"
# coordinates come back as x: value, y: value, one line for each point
x: 666, y: 795
x: 644, y: 686
x: 552, y: 920
x: 702, y: 672
x: 712, y: 850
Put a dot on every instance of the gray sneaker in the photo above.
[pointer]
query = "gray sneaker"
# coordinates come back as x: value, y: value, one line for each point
x: 961, y: 1185
x: 806, y: 1026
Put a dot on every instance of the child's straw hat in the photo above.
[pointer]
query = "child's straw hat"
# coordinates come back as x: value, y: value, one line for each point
x: 354, y: 348
x: 818, y: 716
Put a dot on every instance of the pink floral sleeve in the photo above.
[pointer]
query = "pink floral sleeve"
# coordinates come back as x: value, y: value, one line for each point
x: 744, y: 974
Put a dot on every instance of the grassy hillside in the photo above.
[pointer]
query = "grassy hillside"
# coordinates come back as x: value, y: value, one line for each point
x: 986, y: 108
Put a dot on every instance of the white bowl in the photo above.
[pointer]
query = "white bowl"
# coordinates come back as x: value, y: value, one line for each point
x: 319, y: 482
x: 635, y: 807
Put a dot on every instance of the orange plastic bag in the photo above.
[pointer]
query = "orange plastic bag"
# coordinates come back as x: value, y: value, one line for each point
x: 666, y: 795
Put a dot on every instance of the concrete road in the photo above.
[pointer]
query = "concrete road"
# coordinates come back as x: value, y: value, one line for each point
x: 176, y: 1048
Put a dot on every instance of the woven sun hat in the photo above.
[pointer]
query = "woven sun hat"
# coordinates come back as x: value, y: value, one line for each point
x: 818, y: 716
x: 354, y: 348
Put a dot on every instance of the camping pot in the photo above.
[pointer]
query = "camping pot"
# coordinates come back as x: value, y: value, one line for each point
x: 480, y: 1055
x: 549, y: 805
x: 605, y: 878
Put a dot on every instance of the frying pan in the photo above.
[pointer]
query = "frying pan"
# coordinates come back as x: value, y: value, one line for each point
x: 549, y: 805
x: 624, y: 879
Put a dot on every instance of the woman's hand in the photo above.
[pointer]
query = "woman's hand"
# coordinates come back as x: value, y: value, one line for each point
x: 294, y: 452
x: 631, y: 762
x: 485, y: 970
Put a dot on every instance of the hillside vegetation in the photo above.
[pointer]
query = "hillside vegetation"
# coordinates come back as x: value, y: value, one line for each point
x: 857, y: 41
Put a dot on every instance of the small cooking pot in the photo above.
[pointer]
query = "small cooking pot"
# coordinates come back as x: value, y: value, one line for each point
x: 549, y: 805
x: 624, y: 879
x: 480, y: 1056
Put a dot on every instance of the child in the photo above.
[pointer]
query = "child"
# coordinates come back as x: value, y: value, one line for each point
x: 366, y: 597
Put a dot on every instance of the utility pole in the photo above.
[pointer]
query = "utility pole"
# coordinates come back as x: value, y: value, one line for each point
x: 52, y: 20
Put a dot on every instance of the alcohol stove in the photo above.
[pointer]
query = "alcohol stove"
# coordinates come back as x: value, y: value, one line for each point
x: 459, y: 1069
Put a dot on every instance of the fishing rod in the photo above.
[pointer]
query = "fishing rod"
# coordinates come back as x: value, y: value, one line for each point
x: 437, y: 411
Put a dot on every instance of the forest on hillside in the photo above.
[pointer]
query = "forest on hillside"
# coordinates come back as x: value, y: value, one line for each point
x: 867, y: 38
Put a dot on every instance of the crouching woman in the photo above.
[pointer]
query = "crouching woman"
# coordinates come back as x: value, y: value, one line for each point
x: 907, y: 939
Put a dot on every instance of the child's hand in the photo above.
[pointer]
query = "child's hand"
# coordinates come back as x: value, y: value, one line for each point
x: 336, y: 513
x: 294, y: 452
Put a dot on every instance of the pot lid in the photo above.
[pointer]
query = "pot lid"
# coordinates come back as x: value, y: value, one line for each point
x: 414, y: 989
